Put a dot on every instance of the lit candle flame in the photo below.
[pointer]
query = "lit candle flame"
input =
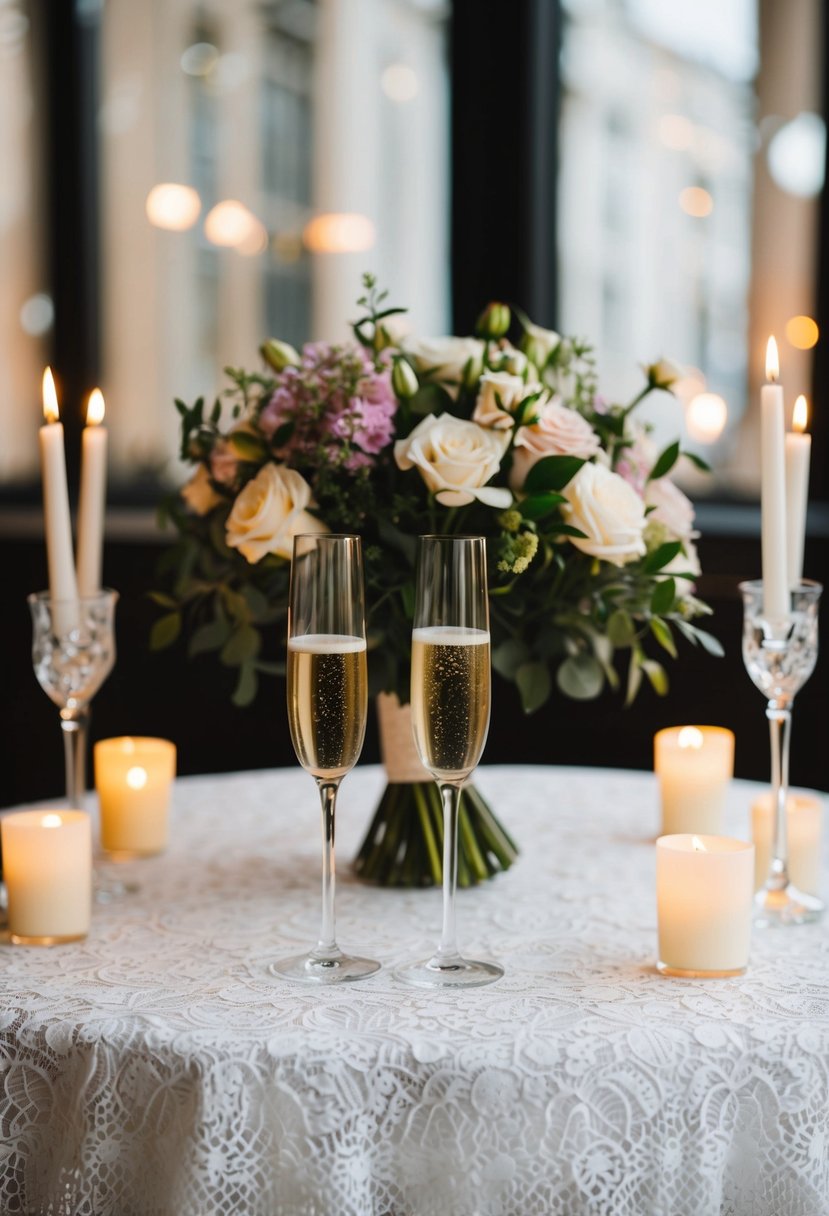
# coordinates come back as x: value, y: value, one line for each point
x: 51, y: 821
x: 137, y: 778
x: 50, y: 398
x: 690, y: 736
x: 698, y: 846
x: 95, y: 409
x: 801, y: 414
x: 772, y: 361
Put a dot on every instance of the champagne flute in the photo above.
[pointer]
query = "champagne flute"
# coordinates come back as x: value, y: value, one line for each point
x: 450, y: 696
x: 327, y: 709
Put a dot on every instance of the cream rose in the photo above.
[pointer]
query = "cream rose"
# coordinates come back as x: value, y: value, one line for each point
x: 198, y: 492
x: 538, y: 344
x: 447, y: 357
x: 610, y: 513
x: 663, y: 374
x: 509, y: 390
x: 558, y: 431
x: 671, y: 507
x: 455, y: 458
x: 269, y: 512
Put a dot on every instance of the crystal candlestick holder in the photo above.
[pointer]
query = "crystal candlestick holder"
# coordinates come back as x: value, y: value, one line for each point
x: 780, y: 656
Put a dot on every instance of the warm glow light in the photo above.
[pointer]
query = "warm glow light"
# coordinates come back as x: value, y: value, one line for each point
x: 676, y: 131
x: 800, y: 415
x: 802, y: 332
x: 172, y: 206
x: 695, y: 201
x: 232, y: 225
x: 698, y: 846
x: 339, y: 232
x: 689, y: 736
x: 50, y: 398
x: 705, y: 417
x: 772, y: 361
x: 51, y: 821
x: 136, y: 778
x: 128, y: 746
x: 256, y: 241
x: 95, y: 409
x: 399, y: 82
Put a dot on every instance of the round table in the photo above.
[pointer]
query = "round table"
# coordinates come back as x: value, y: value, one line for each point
x: 155, y: 1069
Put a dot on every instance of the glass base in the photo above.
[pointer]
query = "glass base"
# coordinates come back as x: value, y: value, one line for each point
x: 789, y: 906
x: 316, y: 969
x: 25, y: 939
x: 685, y: 973
x: 449, y: 973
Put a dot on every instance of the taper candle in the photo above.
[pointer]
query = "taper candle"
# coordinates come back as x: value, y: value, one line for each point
x: 57, y: 522
x: 92, y: 501
x: 773, y: 492
x: 798, y: 454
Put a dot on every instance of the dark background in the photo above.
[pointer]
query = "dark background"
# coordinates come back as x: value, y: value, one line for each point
x: 505, y: 93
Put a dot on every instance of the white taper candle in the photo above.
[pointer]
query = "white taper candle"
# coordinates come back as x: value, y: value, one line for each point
x: 773, y: 492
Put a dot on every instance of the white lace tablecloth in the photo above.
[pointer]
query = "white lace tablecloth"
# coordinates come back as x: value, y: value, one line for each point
x: 153, y: 1069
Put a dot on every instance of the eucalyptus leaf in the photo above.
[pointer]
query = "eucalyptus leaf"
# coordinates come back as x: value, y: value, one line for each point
x: 634, y: 676
x: 210, y: 636
x: 534, y: 685
x: 242, y: 645
x: 246, y: 686
x: 620, y: 628
x: 662, y: 632
x: 657, y: 675
x: 580, y: 677
x: 664, y: 594
x: 163, y: 600
x: 509, y: 656
x: 165, y: 631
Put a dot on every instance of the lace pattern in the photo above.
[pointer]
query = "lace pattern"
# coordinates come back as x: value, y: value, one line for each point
x: 153, y: 1070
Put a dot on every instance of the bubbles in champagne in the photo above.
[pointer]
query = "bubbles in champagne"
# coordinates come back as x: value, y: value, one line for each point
x: 450, y: 698
x: 327, y: 701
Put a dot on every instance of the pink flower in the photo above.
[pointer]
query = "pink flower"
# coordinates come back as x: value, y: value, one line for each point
x: 559, y: 431
x: 224, y: 465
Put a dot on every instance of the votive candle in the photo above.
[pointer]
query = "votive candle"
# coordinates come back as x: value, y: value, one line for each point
x: 804, y: 824
x: 133, y: 777
x: 694, y: 765
x: 704, y: 895
x: 47, y: 869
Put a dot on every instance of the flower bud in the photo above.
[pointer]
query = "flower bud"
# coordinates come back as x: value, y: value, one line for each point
x: 403, y: 379
x: 382, y: 338
x: 538, y: 344
x: 279, y: 355
x: 663, y: 374
x: 515, y: 362
x: 494, y: 321
x: 472, y: 370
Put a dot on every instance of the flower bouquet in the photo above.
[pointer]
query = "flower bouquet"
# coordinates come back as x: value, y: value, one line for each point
x: 591, y: 544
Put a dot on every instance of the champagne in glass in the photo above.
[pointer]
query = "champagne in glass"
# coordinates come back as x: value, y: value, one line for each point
x: 450, y: 696
x: 327, y: 707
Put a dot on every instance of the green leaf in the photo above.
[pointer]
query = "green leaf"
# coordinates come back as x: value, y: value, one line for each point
x: 661, y: 556
x: 552, y: 473
x: 208, y: 637
x: 534, y: 684
x: 236, y: 605
x: 657, y: 675
x: 246, y: 686
x: 392, y: 536
x: 270, y: 669
x: 620, y: 628
x: 162, y: 599
x: 702, y: 465
x: 634, y: 676
x: 539, y: 505
x: 165, y: 631
x: 665, y: 462
x: 256, y: 601
x: 558, y: 529
x: 580, y: 677
x: 664, y: 594
x: 662, y: 632
x: 407, y: 595
x: 247, y: 446
x: 430, y: 399
x: 243, y: 645
x: 509, y: 656
x: 707, y: 640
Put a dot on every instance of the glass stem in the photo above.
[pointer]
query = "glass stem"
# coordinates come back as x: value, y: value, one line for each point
x: 327, y: 946
x: 74, y: 723
x: 780, y: 719
x: 448, y: 949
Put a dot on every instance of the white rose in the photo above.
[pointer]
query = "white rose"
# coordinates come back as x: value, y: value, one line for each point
x: 455, y: 458
x: 198, y: 492
x: 269, y: 512
x: 610, y: 513
x: 558, y: 431
x: 671, y: 507
x: 445, y: 356
x: 538, y: 344
x: 509, y: 390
